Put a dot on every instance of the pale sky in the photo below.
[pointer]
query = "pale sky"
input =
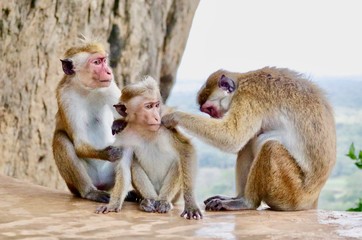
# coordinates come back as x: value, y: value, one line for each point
x: 321, y: 38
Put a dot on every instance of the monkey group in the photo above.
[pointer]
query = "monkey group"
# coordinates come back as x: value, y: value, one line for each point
x: 109, y: 141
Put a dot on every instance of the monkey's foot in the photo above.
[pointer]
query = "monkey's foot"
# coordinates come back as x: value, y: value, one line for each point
x: 148, y: 205
x: 192, y: 212
x: 217, y: 197
x: 108, y: 208
x: 98, y: 196
x: 228, y: 205
x: 133, y: 196
x: 162, y: 206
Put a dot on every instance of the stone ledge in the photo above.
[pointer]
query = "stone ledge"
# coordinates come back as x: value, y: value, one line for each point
x: 35, y: 212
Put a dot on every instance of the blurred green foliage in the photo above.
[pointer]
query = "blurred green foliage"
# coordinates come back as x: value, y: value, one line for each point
x: 352, y: 154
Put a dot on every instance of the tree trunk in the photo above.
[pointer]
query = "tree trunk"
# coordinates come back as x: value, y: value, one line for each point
x: 143, y: 36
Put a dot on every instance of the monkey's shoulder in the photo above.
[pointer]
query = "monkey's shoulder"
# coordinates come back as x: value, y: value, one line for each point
x: 178, y: 138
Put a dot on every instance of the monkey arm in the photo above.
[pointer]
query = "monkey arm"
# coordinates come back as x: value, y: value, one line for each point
x: 122, y: 184
x: 188, y: 164
x: 109, y: 153
x: 141, y: 181
x: 230, y: 133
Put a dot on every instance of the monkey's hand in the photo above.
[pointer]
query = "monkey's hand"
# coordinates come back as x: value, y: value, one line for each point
x: 162, y: 206
x: 118, y: 126
x: 148, y: 205
x: 113, y: 153
x: 108, y: 208
x: 192, y: 212
x: 170, y: 120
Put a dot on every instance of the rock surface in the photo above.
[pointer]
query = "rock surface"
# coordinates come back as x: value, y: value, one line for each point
x: 143, y: 37
x: 33, y: 212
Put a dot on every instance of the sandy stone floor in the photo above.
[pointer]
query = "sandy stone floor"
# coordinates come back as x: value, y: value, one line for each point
x: 33, y: 212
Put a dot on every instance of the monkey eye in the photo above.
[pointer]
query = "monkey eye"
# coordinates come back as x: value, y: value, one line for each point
x: 97, y: 61
x: 157, y: 105
x: 148, y: 106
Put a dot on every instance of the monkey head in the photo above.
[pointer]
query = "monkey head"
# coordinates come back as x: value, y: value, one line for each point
x: 89, y: 65
x: 141, y: 105
x: 216, y: 94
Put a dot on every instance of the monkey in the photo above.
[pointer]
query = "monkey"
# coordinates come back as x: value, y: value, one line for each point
x: 165, y: 163
x: 82, y: 138
x: 282, y: 128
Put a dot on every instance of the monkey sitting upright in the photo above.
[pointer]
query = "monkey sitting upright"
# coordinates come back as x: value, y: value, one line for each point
x: 165, y: 163
x: 282, y: 127
x: 85, y: 97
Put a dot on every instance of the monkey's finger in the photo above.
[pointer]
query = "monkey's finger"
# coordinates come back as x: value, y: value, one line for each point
x: 210, y: 199
x: 198, y: 212
x: 213, y: 198
x: 208, y: 206
x: 183, y: 213
x: 214, y: 205
x: 101, y: 209
x: 195, y: 216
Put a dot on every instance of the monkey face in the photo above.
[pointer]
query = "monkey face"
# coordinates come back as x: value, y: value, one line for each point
x: 145, y: 112
x: 100, y: 74
x: 215, y: 96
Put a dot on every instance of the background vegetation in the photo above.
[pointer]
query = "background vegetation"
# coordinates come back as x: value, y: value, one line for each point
x: 343, y: 189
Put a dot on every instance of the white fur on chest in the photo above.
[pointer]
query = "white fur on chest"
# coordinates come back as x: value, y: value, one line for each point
x: 156, y: 158
x: 92, y: 116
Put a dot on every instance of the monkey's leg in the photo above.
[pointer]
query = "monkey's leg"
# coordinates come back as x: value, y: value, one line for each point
x: 248, y: 174
x: 73, y: 171
x: 170, y: 187
x: 143, y: 185
x: 276, y: 178
x: 123, y: 182
x: 243, y: 164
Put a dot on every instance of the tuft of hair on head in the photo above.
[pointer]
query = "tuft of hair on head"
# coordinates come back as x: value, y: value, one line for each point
x: 87, y: 44
x: 147, y: 86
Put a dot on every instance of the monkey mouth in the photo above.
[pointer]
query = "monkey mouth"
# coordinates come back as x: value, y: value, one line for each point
x: 104, y: 81
x: 154, y: 127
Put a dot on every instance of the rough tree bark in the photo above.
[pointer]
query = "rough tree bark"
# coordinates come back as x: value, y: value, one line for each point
x: 144, y: 37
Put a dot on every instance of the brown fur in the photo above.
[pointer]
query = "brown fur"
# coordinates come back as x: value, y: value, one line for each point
x: 92, y: 47
x: 267, y: 101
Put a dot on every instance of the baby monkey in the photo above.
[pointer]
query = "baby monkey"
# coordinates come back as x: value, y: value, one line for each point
x: 164, y: 166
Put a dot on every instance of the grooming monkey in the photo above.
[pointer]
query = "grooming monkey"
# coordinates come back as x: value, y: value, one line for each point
x: 165, y: 163
x: 85, y: 115
x: 280, y: 125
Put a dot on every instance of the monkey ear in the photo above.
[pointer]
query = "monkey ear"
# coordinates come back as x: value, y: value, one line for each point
x: 121, y: 109
x: 67, y: 65
x: 226, y: 84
